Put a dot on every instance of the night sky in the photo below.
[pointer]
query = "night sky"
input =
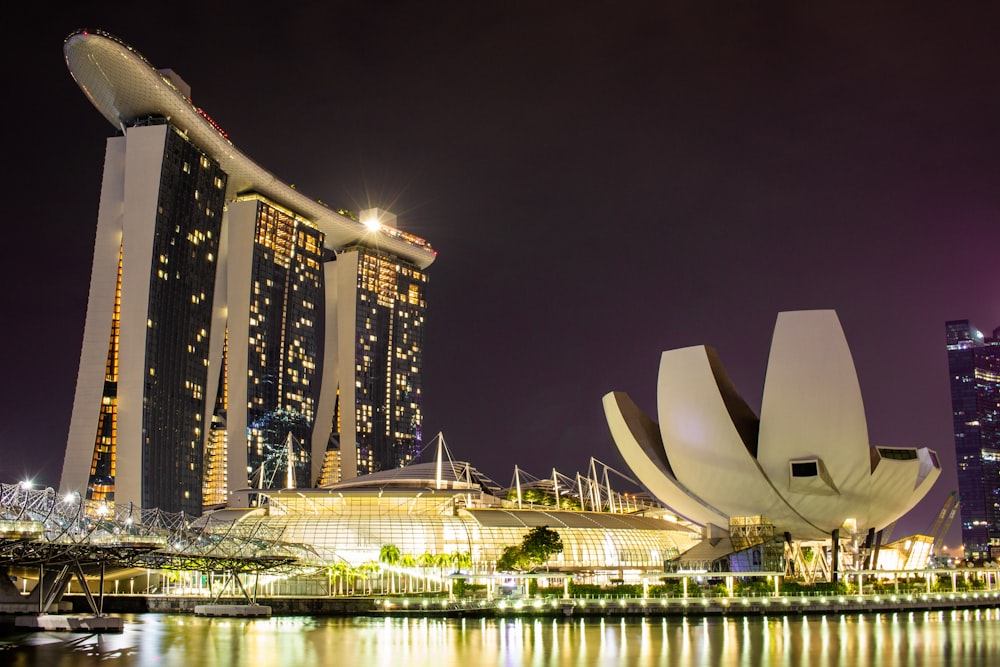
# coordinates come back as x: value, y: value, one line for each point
x: 600, y: 184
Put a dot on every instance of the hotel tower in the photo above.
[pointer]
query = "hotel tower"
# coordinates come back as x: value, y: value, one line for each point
x: 974, y: 374
x: 239, y: 334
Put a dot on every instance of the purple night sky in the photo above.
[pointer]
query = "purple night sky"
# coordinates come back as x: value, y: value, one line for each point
x: 601, y: 185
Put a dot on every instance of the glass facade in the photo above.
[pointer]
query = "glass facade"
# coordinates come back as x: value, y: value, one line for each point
x: 215, y: 478
x: 101, y: 483
x: 196, y: 405
x: 352, y: 526
x: 389, y: 339
x: 974, y: 370
x: 181, y: 287
x: 284, y: 348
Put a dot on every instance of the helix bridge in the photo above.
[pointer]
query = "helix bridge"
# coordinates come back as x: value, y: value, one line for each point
x: 66, y: 537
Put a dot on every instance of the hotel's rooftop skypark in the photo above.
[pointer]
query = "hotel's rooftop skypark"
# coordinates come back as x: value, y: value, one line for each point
x: 126, y: 88
x: 229, y: 313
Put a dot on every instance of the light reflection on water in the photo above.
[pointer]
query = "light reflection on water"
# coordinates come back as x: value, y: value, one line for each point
x: 969, y: 637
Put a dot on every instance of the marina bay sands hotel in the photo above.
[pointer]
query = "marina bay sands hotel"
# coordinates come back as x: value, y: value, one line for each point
x: 239, y: 334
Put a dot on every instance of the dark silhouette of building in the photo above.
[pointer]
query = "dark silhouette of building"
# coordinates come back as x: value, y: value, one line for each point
x: 974, y: 373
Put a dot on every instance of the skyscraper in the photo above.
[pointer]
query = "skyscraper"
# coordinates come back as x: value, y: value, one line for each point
x: 238, y: 333
x: 974, y: 370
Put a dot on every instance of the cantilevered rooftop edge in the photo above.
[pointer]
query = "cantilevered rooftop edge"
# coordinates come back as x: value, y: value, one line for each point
x: 125, y: 88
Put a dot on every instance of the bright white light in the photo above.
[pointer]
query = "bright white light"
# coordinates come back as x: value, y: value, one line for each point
x: 371, y: 223
x: 26, y: 484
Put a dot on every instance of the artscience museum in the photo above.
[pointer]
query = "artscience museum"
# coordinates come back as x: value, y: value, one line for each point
x: 804, y: 467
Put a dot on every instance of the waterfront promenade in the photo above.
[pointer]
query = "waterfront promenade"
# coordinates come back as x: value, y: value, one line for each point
x: 591, y: 606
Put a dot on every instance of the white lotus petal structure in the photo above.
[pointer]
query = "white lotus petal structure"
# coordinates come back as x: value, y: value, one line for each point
x: 804, y: 464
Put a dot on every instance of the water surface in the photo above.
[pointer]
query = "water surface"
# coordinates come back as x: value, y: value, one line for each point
x: 954, y: 638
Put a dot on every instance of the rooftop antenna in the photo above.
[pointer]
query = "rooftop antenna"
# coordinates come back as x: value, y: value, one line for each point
x: 595, y: 485
x: 611, y: 497
x: 555, y: 486
x: 437, y: 469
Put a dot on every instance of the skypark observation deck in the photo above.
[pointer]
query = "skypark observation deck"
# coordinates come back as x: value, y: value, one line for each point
x: 128, y: 90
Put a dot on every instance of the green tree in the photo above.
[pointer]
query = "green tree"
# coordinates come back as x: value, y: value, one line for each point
x: 540, y: 544
x: 408, y: 562
x: 511, y: 560
x: 365, y: 570
x: 461, y: 559
x: 338, y: 572
x: 389, y: 556
x: 442, y: 561
x: 426, y: 561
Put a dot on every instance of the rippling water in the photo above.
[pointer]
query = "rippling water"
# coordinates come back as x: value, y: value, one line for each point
x: 951, y: 638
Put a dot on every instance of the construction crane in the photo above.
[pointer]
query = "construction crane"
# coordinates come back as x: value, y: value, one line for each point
x: 943, y: 522
x: 949, y: 502
x: 887, y: 533
x: 936, y: 532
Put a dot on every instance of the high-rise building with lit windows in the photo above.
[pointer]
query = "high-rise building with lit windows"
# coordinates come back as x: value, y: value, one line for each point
x: 974, y: 370
x: 388, y: 324
x: 239, y: 334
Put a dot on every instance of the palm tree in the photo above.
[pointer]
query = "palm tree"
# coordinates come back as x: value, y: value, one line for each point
x: 389, y: 555
x: 461, y: 559
x: 364, y: 570
x: 442, y: 561
x: 340, y: 570
x: 408, y: 562
x: 426, y: 561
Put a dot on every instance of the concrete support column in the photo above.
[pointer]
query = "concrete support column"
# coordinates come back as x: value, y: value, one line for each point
x: 835, y: 555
